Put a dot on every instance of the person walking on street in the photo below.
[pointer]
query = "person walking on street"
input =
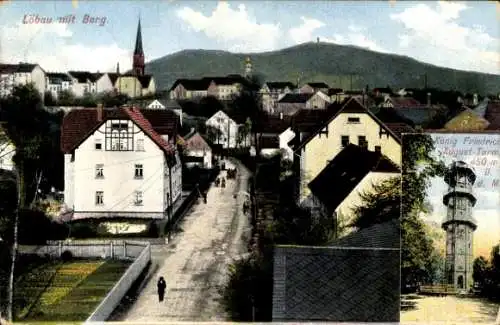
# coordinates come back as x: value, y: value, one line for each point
x: 162, y: 285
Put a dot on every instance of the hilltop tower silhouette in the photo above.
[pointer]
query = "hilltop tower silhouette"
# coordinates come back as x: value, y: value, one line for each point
x: 459, y: 224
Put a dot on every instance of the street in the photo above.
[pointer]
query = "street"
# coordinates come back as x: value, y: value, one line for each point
x: 195, y: 262
x: 450, y: 309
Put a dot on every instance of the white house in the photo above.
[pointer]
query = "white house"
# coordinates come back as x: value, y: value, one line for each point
x: 227, y: 134
x: 197, y: 152
x: 88, y: 82
x: 57, y: 82
x: 271, y: 92
x: 7, y: 152
x: 120, y: 163
x: 12, y: 75
x: 338, y: 189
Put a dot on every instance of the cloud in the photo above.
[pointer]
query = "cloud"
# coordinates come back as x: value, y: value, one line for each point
x: 435, y: 35
x: 355, y: 36
x: 303, y: 32
x: 234, y: 28
x: 52, y: 46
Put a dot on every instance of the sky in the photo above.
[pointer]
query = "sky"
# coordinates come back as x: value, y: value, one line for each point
x: 452, y: 34
x: 452, y: 147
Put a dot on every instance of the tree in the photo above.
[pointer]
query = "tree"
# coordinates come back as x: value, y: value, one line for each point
x: 244, y: 131
x: 480, y: 270
x: 49, y: 99
x: 213, y: 134
x: 22, y: 114
x: 66, y: 98
x: 112, y: 99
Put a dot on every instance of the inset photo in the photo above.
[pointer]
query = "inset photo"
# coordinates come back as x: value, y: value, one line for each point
x: 450, y: 227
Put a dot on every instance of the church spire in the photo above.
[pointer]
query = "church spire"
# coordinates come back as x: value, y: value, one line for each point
x: 138, y: 40
x: 138, y: 57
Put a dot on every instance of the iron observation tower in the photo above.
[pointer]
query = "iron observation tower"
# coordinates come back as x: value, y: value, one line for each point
x: 459, y: 225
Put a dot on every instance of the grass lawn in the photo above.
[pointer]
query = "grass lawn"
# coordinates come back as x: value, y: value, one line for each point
x: 65, y: 291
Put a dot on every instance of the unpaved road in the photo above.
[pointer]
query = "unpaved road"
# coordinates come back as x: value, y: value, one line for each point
x: 196, y: 261
x: 450, y: 310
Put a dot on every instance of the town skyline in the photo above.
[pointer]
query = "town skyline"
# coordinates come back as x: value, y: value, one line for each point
x: 257, y: 27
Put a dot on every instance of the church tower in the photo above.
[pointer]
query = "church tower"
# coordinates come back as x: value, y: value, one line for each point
x: 459, y: 225
x: 138, y: 58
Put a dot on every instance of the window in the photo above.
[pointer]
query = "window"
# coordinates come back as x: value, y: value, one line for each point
x: 99, y: 198
x: 362, y: 141
x: 119, y: 135
x: 378, y: 149
x: 353, y: 120
x: 140, y: 145
x: 99, y: 171
x: 344, y: 140
x: 138, y: 171
x: 138, y: 198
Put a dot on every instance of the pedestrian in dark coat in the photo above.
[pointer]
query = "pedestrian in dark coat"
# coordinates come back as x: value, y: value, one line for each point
x: 162, y: 285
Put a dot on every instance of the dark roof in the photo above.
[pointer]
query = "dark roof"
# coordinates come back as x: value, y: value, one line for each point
x: 145, y: 80
x: 113, y: 77
x: 17, y: 68
x: 280, y: 85
x: 227, y: 80
x: 334, y: 91
x: 492, y: 114
x: 307, y: 120
x: 192, y: 84
x: 353, y: 92
x: 83, y: 76
x: 385, y: 90
x: 398, y: 102
x: 57, y: 77
x: 269, y: 142
x: 336, y: 284
x: 168, y: 103
x: 295, y: 98
x: 386, y: 234
x: 348, y: 105
x: 238, y: 117
x: 79, y: 124
x: 337, y: 180
x: 318, y: 85
x: 274, y: 124
x: 400, y: 128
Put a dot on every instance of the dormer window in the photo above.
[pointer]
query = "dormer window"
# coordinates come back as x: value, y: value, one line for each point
x: 353, y: 120
x: 98, y: 144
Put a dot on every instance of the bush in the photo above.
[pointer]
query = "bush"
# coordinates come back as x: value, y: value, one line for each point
x: 248, y: 292
x: 36, y: 228
x: 66, y: 256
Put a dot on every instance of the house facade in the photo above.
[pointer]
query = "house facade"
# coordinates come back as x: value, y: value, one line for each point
x: 197, y: 151
x: 135, y: 86
x: 271, y: 92
x: 291, y: 103
x: 57, y: 82
x: 313, y: 87
x: 228, y: 128
x: 189, y: 89
x: 12, y: 75
x: 350, y: 122
x: 118, y: 164
x: 7, y: 152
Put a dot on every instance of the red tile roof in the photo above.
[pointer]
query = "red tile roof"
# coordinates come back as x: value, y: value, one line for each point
x: 80, y: 123
x: 139, y: 119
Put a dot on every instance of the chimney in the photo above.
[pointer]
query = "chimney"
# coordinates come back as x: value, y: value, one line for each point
x: 192, y: 130
x: 99, y: 112
x: 281, y: 115
x: 474, y: 99
x: 179, y: 112
x: 428, y: 99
